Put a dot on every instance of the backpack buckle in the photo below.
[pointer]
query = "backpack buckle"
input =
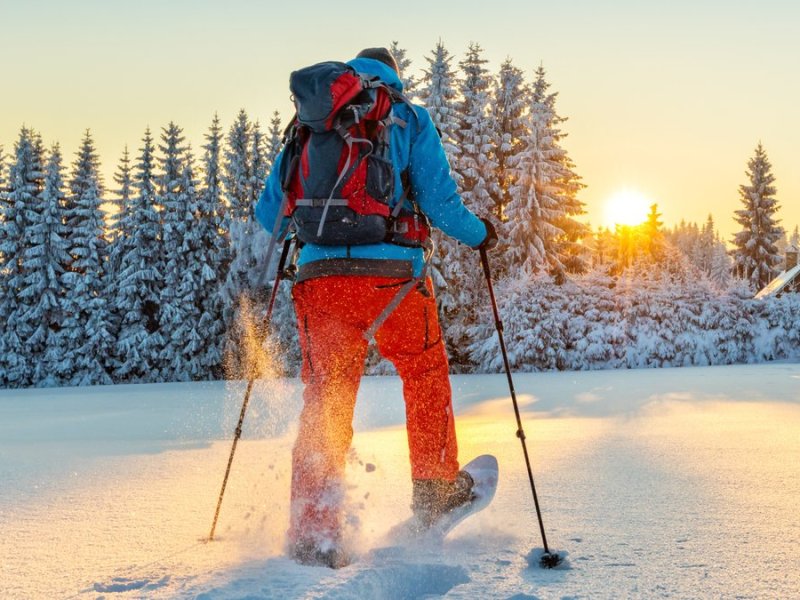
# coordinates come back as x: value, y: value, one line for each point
x: 400, y: 226
x: 370, y: 81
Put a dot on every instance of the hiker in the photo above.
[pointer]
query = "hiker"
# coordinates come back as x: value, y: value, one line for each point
x: 345, y: 292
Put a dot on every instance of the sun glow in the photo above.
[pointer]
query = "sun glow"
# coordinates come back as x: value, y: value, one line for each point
x: 626, y: 207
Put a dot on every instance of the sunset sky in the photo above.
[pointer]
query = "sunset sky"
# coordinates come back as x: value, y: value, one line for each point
x: 667, y: 101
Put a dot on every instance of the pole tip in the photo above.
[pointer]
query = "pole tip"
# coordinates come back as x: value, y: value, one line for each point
x: 550, y: 560
x: 547, y: 559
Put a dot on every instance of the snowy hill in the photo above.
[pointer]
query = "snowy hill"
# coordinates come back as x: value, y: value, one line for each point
x: 680, y: 483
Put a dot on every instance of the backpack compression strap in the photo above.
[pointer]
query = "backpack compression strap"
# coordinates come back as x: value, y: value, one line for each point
x: 349, y: 140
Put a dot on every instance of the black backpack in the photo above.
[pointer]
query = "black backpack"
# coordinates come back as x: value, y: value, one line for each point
x: 337, y: 174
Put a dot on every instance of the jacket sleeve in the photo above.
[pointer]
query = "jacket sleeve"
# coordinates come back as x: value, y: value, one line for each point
x: 269, y: 203
x: 434, y: 189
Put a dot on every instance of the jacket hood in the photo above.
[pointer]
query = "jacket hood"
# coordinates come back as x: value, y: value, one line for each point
x: 370, y: 66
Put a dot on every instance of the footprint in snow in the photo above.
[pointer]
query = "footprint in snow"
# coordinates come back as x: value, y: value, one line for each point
x: 120, y: 585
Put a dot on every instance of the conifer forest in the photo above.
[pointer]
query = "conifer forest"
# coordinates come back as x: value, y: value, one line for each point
x: 160, y: 274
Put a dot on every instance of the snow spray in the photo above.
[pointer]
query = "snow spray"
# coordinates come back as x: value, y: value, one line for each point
x: 251, y: 361
x: 254, y: 354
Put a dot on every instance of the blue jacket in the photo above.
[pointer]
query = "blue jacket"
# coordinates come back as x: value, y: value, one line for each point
x: 416, y: 147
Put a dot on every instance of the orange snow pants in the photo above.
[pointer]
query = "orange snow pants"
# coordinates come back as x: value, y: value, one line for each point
x: 333, y: 313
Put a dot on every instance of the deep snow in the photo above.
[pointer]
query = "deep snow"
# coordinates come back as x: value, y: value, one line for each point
x: 679, y: 483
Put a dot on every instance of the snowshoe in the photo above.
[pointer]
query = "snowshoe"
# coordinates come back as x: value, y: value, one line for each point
x: 438, y: 509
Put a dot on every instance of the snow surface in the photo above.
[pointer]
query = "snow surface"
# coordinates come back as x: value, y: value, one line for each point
x: 679, y: 483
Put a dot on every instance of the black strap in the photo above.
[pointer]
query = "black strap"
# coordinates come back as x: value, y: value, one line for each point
x: 393, y: 235
x: 364, y: 267
x: 288, y: 128
x: 398, y: 96
x: 429, y: 249
x: 371, y: 81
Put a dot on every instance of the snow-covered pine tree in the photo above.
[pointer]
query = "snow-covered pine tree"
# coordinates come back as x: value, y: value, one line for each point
x: 693, y: 243
x: 410, y: 82
x: 238, y: 168
x: 477, y: 134
x: 259, y: 166
x: 509, y: 107
x: 274, y: 141
x: 118, y: 237
x: 21, y: 206
x: 794, y: 240
x: 475, y: 165
x: 755, y: 256
x: 627, y: 247
x: 654, y: 236
x: 175, y: 197
x: 140, y: 278
x: 238, y: 182
x: 541, y: 229
x: 3, y: 190
x: 121, y: 200
x: 244, y: 165
x: 706, y: 245
x: 529, y: 228
x: 438, y: 93
x: 782, y: 243
x: 3, y: 159
x: 243, y: 175
x: 534, y: 315
x: 208, y: 251
x: 119, y: 243
x: 720, y: 267
x: 687, y: 238
x: 46, y: 261
x: 604, y: 249
x: 568, y: 247
x: 704, y: 249
x: 190, y: 339
x: 86, y: 322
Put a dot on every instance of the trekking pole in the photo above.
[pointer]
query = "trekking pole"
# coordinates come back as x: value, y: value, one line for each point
x: 548, y: 559
x: 238, y: 432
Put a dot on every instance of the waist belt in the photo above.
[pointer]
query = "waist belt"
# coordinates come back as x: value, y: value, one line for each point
x: 364, y: 267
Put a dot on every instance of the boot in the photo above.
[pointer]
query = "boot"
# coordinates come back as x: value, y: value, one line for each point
x: 306, y: 552
x: 433, y: 498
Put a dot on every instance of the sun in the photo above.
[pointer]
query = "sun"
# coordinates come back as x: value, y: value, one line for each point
x: 626, y: 207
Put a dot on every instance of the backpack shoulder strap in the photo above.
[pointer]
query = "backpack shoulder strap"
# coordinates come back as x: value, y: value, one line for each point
x: 395, y: 96
x: 400, y: 97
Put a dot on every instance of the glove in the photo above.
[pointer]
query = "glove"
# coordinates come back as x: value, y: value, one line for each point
x: 490, y: 241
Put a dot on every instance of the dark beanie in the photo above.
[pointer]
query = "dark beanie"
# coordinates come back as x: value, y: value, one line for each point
x: 381, y: 54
